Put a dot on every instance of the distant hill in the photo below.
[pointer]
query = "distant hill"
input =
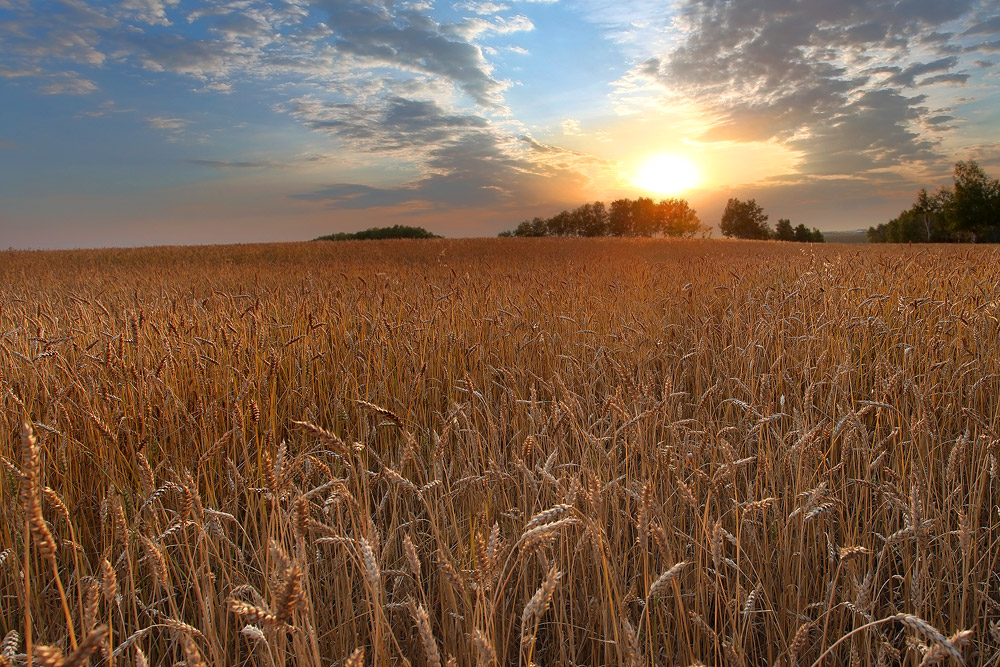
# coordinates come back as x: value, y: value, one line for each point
x: 377, y: 233
x: 853, y: 236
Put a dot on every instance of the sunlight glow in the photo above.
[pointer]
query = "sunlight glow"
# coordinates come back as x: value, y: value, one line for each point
x: 667, y: 174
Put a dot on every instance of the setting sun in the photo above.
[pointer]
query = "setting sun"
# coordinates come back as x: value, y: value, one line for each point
x: 667, y: 174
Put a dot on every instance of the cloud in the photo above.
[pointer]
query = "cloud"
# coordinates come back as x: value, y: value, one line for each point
x: 483, y: 8
x: 386, y: 125
x: 167, y: 124
x: 409, y: 40
x: 11, y: 73
x: 988, y: 47
x: 7, y: 145
x: 907, y: 76
x: 465, y: 161
x: 69, y: 83
x: 474, y: 28
x: 472, y: 172
x: 70, y: 33
x: 571, y: 127
x: 955, y: 79
x: 990, y: 26
x: 826, y: 80
x: 105, y: 108
x: 224, y: 165
x: 151, y: 12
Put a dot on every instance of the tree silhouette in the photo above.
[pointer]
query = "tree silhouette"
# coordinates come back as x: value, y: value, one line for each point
x: 783, y: 231
x: 745, y: 220
x: 974, y: 212
x: 625, y: 217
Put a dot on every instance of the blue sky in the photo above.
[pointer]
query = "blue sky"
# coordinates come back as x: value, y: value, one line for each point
x: 170, y: 121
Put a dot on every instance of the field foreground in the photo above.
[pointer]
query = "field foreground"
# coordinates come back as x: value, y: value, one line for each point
x: 500, y: 452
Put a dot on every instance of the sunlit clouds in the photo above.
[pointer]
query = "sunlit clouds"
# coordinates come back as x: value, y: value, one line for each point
x: 157, y: 121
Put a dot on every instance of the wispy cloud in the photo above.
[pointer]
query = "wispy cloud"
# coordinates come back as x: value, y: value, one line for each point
x: 571, y: 127
x: 167, y: 124
x: 105, y: 108
x: 69, y: 83
x: 484, y: 8
x: 466, y: 161
x: 224, y: 165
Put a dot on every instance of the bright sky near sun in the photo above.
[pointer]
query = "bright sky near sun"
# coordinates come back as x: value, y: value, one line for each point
x: 172, y: 121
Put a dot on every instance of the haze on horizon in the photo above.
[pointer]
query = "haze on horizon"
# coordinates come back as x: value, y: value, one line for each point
x: 176, y: 122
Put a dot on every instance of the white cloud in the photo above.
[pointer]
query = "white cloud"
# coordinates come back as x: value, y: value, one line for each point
x: 571, y: 127
x: 483, y: 8
x: 151, y: 12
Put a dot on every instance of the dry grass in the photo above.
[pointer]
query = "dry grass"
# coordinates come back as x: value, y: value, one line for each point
x: 500, y: 451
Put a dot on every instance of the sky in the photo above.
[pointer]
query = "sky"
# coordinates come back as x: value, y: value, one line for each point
x: 145, y: 122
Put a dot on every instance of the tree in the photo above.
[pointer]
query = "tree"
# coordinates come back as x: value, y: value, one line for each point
x: 645, y: 217
x: 974, y: 209
x: 745, y: 220
x: 377, y: 233
x: 620, y: 218
x: 878, y: 234
x: 802, y: 234
x: 677, y: 218
x: 560, y: 225
x: 535, y: 227
x: 926, y: 221
x: 907, y: 227
x: 625, y: 217
x: 783, y: 231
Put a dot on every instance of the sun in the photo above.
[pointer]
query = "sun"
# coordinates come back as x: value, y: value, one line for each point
x: 667, y: 174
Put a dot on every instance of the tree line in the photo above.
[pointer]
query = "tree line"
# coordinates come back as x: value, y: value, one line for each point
x: 377, y: 233
x: 624, y: 217
x: 966, y: 212
x: 747, y: 220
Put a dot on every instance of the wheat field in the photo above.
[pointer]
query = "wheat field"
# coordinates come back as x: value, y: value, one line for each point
x: 500, y: 452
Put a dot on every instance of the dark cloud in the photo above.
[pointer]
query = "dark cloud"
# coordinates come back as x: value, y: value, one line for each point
x: 257, y: 38
x: 956, y: 79
x: 407, y: 39
x: 907, y: 76
x: 986, y: 47
x: 990, y: 26
x: 390, y: 124
x: 870, y: 133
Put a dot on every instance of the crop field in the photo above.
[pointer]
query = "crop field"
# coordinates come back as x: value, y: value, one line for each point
x: 500, y: 452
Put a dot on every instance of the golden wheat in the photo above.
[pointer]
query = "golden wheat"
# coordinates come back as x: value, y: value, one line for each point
x: 500, y: 451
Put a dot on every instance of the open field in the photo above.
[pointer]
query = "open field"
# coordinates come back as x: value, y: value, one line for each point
x: 501, y: 451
